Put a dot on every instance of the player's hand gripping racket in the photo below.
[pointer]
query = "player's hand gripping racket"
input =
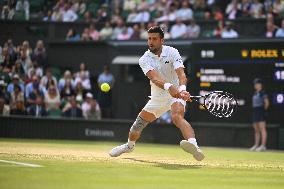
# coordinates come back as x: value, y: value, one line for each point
x: 218, y: 103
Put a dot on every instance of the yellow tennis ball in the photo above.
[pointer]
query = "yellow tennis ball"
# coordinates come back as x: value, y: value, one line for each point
x: 105, y: 87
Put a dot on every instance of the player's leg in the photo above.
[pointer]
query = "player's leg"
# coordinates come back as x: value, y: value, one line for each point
x: 256, y: 136
x: 146, y: 116
x: 189, y: 144
x: 263, y: 133
x: 143, y: 119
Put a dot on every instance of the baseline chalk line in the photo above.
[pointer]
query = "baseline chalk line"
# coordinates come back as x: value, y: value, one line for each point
x: 20, y: 163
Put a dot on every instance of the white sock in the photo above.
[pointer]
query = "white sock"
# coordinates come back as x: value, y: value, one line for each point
x: 131, y: 144
x: 192, y: 141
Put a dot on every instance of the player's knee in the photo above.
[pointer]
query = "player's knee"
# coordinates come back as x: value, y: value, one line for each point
x: 176, y: 118
x: 138, y: 125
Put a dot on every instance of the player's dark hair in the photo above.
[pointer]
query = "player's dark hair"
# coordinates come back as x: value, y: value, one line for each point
x: 157, y: 29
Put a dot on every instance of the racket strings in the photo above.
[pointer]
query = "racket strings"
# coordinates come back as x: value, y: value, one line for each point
x: 220, y: 104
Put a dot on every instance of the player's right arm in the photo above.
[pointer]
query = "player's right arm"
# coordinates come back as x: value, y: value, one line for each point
x: 157, y: 80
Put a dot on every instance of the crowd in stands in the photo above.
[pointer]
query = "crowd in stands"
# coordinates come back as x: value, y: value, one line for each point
x: 129, y: 19
x: 29, y: 87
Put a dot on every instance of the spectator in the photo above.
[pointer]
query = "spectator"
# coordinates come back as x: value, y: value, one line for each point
x: 199, y: 9
x: 143, y: 5
x: 124, y: 34
x: 16, y: 95
x: 218, y: 15
x: 86, y: 35
x: 83, y: 68
x: 229, y: 32
x: 84, y: 80
x: 193, y: 30
x: 207, y: 15
x: 68, y: 14
x: 88, y: 17
x: 233, y: 10
x: 52, y: 101
x: 91, y: 109
x: 94, y: 33
x: 267, y: 5
x: 245, y: 8
x: 129, y: 5
x: 105, y: 99
x: 15, y: 82
x: 48, y: 79
x: 136, y: 32
x: 165, y: 27
x: 79, y: 7
x: 27, y: 50
x: 37, y: 109
x: 18, y: 70
x: 37, y: 68
x: 7, y: 13
x: 19, y: 108
x: 66, y: 77
x: 142, y: 16
x: 132, y: 16
x: 48, y: 16
x: 56, y: 15
x: 39, y: 53
x: 116, y: 15
x: 25, y: 60
x: 79, y: 91
x: 33, y: 88
x: 73, y: 110
x: 67, y: 89
x: 4, y: 108
x: 118, y: 29
x: 169, y: 16
x: 7, y: 59
x: 178, y: 30
x: 106, y: 31
x: 72, y: 35
x: 280, y: 31
x: 184, y: 13
x: 256, y: 9
x: 102, y: 14
x: 3, y: 92
x: 270, y: 30
x: 23, y: 6
x: 278, y: 8
x: 11, y: 50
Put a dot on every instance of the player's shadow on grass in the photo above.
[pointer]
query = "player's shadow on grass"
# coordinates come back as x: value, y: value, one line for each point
x: 165, y: 165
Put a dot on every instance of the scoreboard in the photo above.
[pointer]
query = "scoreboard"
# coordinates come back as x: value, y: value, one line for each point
x: 232, y: 67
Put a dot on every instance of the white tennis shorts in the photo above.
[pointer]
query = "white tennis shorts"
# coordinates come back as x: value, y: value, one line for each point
x: 159, y: 106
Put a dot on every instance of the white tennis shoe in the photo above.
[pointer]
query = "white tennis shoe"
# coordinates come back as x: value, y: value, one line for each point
x: 192, y: 149
x: 117, y: 151
x: 253, y: 148
x: 261, y: 148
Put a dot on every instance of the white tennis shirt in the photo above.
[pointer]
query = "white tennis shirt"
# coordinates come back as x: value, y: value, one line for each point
x: 165, y: 65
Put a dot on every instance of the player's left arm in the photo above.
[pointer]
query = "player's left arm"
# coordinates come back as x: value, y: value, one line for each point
x: 181, y: 76
x: 179, y: 69
x: 182, y: 83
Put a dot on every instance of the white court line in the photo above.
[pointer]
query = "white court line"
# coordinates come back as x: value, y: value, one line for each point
x: 20, y: 163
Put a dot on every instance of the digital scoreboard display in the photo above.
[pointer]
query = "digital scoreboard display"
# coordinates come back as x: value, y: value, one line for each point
x: 232, y: 68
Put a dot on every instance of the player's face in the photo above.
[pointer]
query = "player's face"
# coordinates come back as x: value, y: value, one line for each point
x: 155, y: 42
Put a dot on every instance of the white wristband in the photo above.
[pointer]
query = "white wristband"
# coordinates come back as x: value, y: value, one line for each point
x: 167, y: 86
x: 182, y: 88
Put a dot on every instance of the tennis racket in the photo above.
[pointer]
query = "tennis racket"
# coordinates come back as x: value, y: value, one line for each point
x: 218, y: 103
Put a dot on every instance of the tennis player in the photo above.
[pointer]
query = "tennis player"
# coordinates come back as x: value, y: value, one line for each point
x: 164, y: 67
